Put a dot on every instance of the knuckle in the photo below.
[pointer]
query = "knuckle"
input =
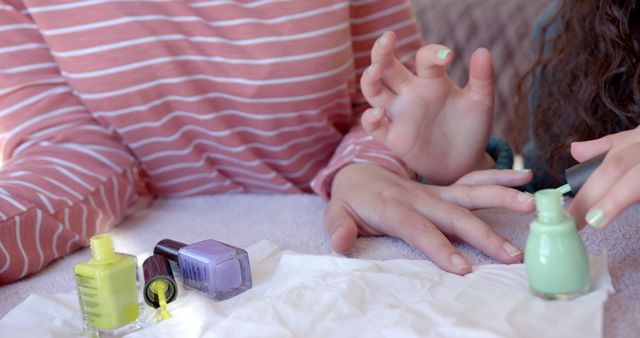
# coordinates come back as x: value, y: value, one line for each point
x: 610, y: 139
x: 365, y: 87
x: 423, y: 193
x: 500, y: 195
x: 467, y: 193
x: 619, y: 197
x: 393, y: 206
x: 424, y: 52
x: 615, y: 165
x: 393, y: 203
x: 458, y: 220
x: 440, y: 250
x: 419, y: 230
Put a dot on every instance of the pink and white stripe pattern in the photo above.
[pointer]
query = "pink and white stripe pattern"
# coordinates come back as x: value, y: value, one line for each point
x: 195, y: 97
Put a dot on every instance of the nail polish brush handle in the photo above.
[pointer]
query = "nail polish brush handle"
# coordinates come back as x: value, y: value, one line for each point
x: 579, y: 173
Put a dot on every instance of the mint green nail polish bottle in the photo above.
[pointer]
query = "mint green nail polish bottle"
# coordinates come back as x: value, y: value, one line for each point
x: 555, y: 257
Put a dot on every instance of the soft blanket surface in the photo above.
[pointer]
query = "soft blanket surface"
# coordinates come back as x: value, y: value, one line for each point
x: 295, y: 222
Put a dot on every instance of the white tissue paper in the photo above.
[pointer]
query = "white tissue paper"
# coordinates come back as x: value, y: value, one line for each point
x: 298, y: 295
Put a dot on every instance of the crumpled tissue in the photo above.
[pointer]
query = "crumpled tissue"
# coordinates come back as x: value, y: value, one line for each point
x: 300, y: 295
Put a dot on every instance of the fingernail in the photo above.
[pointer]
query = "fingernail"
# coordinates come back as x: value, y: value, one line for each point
x: 459, y: 262
x: 443, y: 53
x: 595, y: 218
x: 525, y: 197
x: 382, y: 40
x: 371, y: 67
x: 524, y: 171
x: 510, y: 249
x: 375, y: 111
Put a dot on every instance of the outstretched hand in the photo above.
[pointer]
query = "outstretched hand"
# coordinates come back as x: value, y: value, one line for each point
x: 369, y: 200
x: 437, y: 128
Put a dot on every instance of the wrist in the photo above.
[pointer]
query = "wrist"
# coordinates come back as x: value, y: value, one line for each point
x: 344, y: 174
x: 357, y: 172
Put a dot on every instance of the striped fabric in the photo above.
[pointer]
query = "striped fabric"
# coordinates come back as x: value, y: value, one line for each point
x: 189, y: 97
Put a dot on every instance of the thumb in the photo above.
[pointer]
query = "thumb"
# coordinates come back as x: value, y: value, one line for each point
x: 341, y: 226
x: 585, y: 150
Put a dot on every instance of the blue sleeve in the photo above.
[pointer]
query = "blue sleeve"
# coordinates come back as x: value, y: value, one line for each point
x: 501, y: 153
x: 531, y: 154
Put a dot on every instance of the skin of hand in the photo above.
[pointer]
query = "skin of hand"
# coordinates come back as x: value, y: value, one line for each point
x: 615, y: 185
x: 437, y: 128
x: 369, y: 200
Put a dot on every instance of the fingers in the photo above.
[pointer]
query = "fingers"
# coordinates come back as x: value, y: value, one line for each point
x: 613, y: 182
x: 487, y: 196
x: 375, y: 123
x: 341, y: 226
x: 376, y: 93
x: 431, y: 61
x: 395, y: 74
x: 623, y: 194
x: 462, y: 223
x: 481, y: 77
x: 508, y: 178
x: 418, y: 231
x: 583, y: 151
x: 482, y: 236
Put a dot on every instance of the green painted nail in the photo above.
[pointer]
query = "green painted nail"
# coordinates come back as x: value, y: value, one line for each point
x: 382, y: 40
x: 595, y: 218
x: 375, y: 111
x: 443, y: 53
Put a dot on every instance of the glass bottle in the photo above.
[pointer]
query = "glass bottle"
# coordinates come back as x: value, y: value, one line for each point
x: 108, y: 290
x: 555, y: 257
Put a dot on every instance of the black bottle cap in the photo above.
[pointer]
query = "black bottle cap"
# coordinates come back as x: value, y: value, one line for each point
x: 154, y: 268
x: 579, y: 173
x: 168, y: 248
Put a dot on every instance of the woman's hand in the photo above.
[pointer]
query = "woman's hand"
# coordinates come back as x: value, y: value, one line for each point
x: 372, y: 201
x: 615, y: 185
x: 437, y: 128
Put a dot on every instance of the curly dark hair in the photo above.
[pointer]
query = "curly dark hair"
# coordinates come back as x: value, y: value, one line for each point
x: 589, y: 77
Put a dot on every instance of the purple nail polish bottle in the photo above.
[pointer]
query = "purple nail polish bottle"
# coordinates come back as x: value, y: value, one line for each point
x: 219, y: 270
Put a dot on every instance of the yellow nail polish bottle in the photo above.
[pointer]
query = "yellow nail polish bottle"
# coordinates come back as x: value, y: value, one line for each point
x: 108, y: 290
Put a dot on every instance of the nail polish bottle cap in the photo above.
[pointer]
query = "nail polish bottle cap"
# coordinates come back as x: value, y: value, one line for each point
x: 579, y: 173
x: 156, y: 268
x: 168, y: 248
